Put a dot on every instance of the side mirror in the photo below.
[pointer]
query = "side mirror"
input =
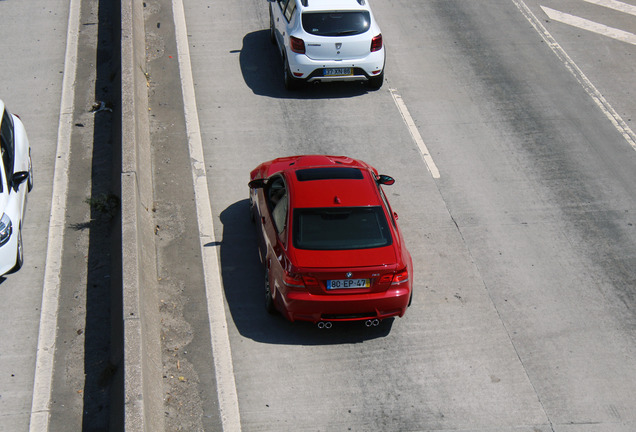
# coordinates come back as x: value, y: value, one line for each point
x: 386, y: 180
x: 19, y: 178
x: 257, y: 184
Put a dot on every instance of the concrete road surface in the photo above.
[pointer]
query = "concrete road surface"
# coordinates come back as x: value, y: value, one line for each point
x: 524, y: 247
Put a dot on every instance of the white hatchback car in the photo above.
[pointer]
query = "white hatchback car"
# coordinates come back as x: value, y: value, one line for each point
x: 16, y: 181
x: 327, y: 40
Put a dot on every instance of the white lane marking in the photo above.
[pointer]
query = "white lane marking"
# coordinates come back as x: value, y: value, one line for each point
x: 616, y: 5
x: 42, y: 382
x: 587, y: 85
x: 415, y: 134
x: 221, y: 349
x: 594, y: 27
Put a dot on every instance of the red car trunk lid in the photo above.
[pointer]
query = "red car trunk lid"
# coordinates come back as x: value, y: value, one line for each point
x: 340, y: 272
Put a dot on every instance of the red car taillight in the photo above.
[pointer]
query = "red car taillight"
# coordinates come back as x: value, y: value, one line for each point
x: 293, y: 281
x: 297, y: 45
x: 299, y: 282
x: 376, y: 43
x: 398, y: 278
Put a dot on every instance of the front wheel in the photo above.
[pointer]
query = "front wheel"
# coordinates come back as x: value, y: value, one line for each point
x: 30, y: 180
x: 252, y: 210
x: 20, y: 255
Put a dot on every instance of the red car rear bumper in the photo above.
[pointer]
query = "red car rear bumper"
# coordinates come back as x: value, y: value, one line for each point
x: 304, y: 306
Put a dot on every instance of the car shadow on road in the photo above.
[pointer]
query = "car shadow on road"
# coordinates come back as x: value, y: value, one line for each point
x: 262, y: 70
x: 243, y: 282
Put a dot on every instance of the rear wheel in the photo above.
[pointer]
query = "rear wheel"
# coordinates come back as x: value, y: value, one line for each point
x: 269, y: 300
x: 272, y: 30
x: 290, y: 82
x: 376, y: 82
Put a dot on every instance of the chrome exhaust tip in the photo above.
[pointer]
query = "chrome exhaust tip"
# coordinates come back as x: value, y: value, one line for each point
x: 324, y: 324
x: 372, y: 322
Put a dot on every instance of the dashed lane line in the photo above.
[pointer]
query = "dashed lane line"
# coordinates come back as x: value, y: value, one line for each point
x: 415, y: 134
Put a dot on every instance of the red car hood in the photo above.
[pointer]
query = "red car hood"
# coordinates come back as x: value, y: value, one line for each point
x: 345, y: 259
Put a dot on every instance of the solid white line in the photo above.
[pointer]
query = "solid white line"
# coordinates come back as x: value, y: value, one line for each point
x: 42, y: 382
x: 587, y: 85
x: 616, y: 5
x: 591, y: 26
x: 415, y: 134
x: 221, y: 349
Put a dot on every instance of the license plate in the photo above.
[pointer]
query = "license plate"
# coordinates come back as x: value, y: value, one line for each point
x: 337, y: 71
x: 348, y: 283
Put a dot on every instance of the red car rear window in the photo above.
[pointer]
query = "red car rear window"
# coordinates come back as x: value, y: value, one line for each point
x: 343, y: 228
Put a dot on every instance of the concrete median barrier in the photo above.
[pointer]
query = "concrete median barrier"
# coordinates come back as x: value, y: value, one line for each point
x: 142, y: 349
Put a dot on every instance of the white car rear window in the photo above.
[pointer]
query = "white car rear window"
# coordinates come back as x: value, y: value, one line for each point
x: 336, y: 23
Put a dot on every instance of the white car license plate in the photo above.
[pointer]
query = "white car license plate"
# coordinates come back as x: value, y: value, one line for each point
x: 348, y: 283
x: 337, y: 71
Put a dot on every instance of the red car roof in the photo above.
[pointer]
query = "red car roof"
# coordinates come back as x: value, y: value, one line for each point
x: 334, y: 193
x: 325, y: 192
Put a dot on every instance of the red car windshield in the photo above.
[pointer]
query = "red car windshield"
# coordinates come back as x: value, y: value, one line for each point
x: 344, y: 228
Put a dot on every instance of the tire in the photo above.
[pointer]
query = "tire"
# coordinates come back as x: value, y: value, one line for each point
x: 376, y: 82
x: 20, y: 255
x: 30, y: 180
x: 272, y: 29
x: 290, y: 82
x: 269, y: 300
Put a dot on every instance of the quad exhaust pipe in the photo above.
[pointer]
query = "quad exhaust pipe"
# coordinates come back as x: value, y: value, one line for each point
x: 328, y: 324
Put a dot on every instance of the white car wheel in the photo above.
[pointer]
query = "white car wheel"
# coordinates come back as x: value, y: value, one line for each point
x: 30, y: 180
x: 20, y: 255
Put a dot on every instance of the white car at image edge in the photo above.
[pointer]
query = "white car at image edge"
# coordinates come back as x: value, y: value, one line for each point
x: 16, y: 181
x: 327, y: 40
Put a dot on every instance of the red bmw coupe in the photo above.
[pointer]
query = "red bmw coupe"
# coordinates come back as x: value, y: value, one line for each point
x: 329, y: 241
